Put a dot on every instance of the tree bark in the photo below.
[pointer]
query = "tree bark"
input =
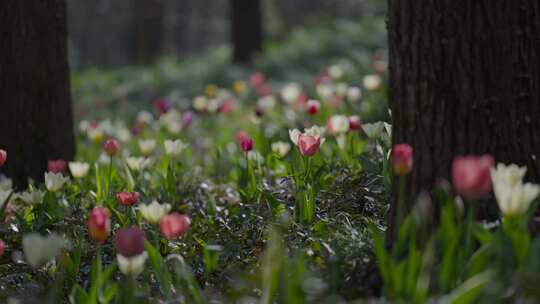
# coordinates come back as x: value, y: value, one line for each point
x: 35, y: 105
x: 246, y: 29
x: 464, y: 79
x: 148, y: 30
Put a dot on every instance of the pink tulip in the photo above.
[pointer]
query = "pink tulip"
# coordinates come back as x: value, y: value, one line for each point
x: 402, y: 159
x: 313, y: 107
x: 126, y: 198
x: 2, y: 248
x: 57, y: 166
x: 247, y: 144
x: 354, y: 123
x: 241, y: 136
x: 3, y: 157
x: 99, y: 224
x: 111, y: 146
x: 174, y: 225
x: 471, y: 176
x: 187, y: 118
x: 257, y: 79
x: 226, y: 106
x: 129, y: 242
x: 308, y: 145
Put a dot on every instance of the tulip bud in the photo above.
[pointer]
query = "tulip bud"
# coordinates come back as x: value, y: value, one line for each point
x: 402, y: 159
x: 354, y: 123
x: 174, y: 225
x: 308, y: 145
x: 129, y: 242
x: 313, y: 107
x: 3, y: 157
x: 57, y: 166
x: 247, y: 144
x: 99, y: 224
x: 111, y: 146
x: 2, y: 248
x: 471, y: 176
x: 127, y: 198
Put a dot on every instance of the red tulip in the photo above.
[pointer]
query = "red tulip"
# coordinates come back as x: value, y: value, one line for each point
x: 308, y: 145
x: 2, y: 248
x: 354, y: 123
x: 162, y: 106
x: 3, y: 157
x: 129, y: 242
x: 174, y: 225
x: 471, y: 176
x: 247, y: 144
x: 111, y: 146
x: 126, y: 198
x: 313, y: 107
x: 402, y: 159
x: 57, y: 166
x: 99, y: 224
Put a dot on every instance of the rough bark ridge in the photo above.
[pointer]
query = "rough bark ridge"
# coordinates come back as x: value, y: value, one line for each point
x: 35, y: 107
x: 247, y: 34
x: 464, y: 79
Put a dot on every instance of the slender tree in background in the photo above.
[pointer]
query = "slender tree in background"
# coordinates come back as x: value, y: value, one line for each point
x: 246, y: 29
x: 464, y: 79
x: 148, y: 30
x: 35, y: 105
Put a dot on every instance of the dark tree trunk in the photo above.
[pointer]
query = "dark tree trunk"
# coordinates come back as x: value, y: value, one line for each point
x: 464, y: 79
x: 246, y: 29
x: 35, y: 105
x: 148, y: 30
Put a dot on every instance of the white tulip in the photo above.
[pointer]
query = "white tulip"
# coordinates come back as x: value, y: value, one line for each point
x: 174, y: 148
x: 281, y: 148
x: 372, y: 82
x: 373, y: 130
x: 132, y: 265
x: 79, y: 169
x: 200, y: 103
x: 339, y: 124
x: 147, y: 146
x: 137, y: 163
x: 39, y: 250
x: 154, y: 211
x: 354, y: 94
x: 336, y: 71
x: 145, y: 117
x: 513, y: 196
x: 32, y: 197
x: 55, y: 181
x: 291, y: 92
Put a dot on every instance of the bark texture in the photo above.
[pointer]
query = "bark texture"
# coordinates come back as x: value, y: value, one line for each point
x: 464, y: 79
x: 148, y: 30
x: 246, y: 29
x: 36, y: 121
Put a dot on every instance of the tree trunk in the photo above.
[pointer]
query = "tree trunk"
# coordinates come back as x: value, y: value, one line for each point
x: 246, y: 29
x: 464, y: 79
x: 35, y: 105
x: 148, y: 30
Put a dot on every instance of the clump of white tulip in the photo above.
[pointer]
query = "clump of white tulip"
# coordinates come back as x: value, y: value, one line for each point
x: 154, y: 211
x: 513, y: 196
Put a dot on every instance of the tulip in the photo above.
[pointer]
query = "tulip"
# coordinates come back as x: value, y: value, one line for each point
x: 513, y: 196
x: 373, y: 130
x: 174, y: 225
x: 137, y: 163
x: 471, y: 176
x: 354, y: 94
x: 187, y: 119
x: 247, y: 145
x: 312, y: 107
x: 34, y: 197
x: 2, y: 248
x: 354, y: 123
x: 402, y: 159
x: 226, y: 106
x: 132, y: 265
x: 257, y: 79
x: 239, y: 86
x: 338, y: 124
x: 154, y: 211
x: 95, y: 134
x: 174, y: 148
x: 372, y: 82
x: 3, y: 157
x: 129, y: 242
x: 281, y: 148
x: 127, y: 198
x: 200, y: 103
x: 162, y: 106
x: 99, y: 224
x: 79, y: 169
x: 240, y: 136
x: 111, y: 146
x: 57, y: 166
x: 55, y: 181
x: 291, y: 92
x: 308, y: 145
x: 148, y: 146
x: 39, y: 249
